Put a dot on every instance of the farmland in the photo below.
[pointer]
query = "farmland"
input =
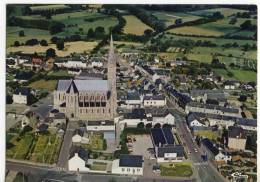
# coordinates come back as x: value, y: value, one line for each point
x: 70, y: 47
x: 225, y: 11
x: 169, y: 18
x: 131, y: 25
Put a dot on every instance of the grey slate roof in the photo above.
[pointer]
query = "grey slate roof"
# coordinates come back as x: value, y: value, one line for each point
x: 23, y: 91
x: 82, y: 153
x: 154, y: 97
x: 83, y: 85
x: 130, y: 160
x: 171, y: 149
x: 236, y: 132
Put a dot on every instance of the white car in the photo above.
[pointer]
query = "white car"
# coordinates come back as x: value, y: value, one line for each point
x: 196, y: 150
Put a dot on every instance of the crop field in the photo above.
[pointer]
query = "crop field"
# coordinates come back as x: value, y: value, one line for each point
x: 169, y: 18
x: 45, y: 149
x: 225, y: 11
x: 196, y: 30
x: 134, y: 25
x: 12, y: 34
x: 70, y: 47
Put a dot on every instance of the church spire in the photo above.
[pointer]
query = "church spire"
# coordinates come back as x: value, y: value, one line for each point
x: 111, y: 42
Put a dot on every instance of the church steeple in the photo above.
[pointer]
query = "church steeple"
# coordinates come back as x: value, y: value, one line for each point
x: 111, y: 43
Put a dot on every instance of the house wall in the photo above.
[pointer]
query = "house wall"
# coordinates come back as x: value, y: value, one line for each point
x: 155, y: 103
x: 101, y: 128
x: 116, y: 169
x: 19, y: 99
x: 76, y: 139
x: 162, y: 159
x: 236, y: 143
x: 77, y: 164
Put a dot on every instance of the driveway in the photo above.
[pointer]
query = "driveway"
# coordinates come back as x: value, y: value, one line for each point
x: 141, y: 145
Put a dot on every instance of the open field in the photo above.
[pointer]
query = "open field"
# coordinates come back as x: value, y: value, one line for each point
x: 182, y: 169
x: 208, y: 134
x: 49, y: 7
x: 195, y: 30
x: 225, y: 11
x: 70, y: 47
x: 44, y: 84
x: 169, y: 18
x: 134, y: 25
x: 12, y: 34
x: 241, y: 75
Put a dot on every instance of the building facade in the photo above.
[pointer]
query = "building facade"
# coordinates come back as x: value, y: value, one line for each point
x: 89, y: 99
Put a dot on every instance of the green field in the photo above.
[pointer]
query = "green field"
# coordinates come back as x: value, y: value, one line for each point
x: 98, y: 166
x: 44, y: 84
x: 96, y: 142
x: 241, y: 75
x: 225, y: 11
x: 176, y: 169
x: 169, y: 18
x: 12, y: 35
x: 134, y: 25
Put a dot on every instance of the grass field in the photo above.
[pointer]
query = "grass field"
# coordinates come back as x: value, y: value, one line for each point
x: 44, y: 84
x: 207, y: 134
x: 70, y: 47
x: 49, y: 7
x: 182, y: 169
x: 169, y: 18
x: 59, y: 73
x: 195, y: 30
x: 241, y: 75
x: 134, y: 25
x: 98, y: 166
x: 225, y: 11
x: 12, y: 34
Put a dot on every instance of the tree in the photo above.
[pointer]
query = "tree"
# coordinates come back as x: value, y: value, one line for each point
x: 148, y: 32
x: 91, y: 33
x: 43, y: 42
x: 157, y: 125
x: 247, y: 25
x: 178, y: 21
x: 140, y: 125
x: 50, y: 53
x: 54, y: 40
x: 60, y: 45
x: 32, y: 42
x: 16, y: 43
x: 148, y: 125
x: 242, y: 98
x: 21, y: 33
x: 56, y: 27
x: 100, y: 29
x: 233, y: 21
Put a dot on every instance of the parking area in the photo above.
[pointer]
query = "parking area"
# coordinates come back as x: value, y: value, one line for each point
x: 141, y: 144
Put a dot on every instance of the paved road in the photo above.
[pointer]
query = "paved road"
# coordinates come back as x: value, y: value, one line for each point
x: 206, y: 171
x: 66, y: 145
x: 44, y: 105
x: 44, y: 174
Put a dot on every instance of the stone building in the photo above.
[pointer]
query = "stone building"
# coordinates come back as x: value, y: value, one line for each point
x: 89, y: 99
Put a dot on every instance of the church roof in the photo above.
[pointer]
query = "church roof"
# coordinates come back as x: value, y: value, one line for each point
x: 83, y: 85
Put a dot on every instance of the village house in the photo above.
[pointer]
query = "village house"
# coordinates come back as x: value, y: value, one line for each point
x: 236, y: 138
x: 154, y: 101
x: 21, y: 95
x: 128, y: 165
x: 78, y: 159
x: 80, y: 136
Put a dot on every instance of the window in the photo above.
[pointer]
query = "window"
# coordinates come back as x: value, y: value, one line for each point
x: 123, y: 169
x: 138, y: 170
x: 128, y: 169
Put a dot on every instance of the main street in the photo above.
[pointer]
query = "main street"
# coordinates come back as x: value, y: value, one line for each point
x: 45, y: 174
x: 206, y: 171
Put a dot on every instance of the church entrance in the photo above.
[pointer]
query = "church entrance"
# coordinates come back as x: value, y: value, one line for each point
x: 72, y: 115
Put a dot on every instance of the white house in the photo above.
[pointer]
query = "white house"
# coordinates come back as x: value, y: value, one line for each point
x: 104, y: 125
x: 154, y: 101
x: 20, y: 95
x: 223, y: 156
x: 128, y: 165
x: 80, y: 136
x: 72, y: 64
x: 169, y: 153
x: 78, y: 160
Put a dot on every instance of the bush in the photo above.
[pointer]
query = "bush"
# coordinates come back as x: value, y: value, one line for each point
x: 60, y: 45
x: 104, y: 144
x: 43, y: 43
x: 21, y: 33
x: 140, y: 125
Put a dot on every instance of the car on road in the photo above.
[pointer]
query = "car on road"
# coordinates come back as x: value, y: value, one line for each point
x: 195, y: 150
x: 34, y: 105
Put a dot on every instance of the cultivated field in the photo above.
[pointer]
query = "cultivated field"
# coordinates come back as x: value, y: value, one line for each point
x: 196, y: 30
x: 70, y: 47
x: 134, y: 25
x: 225, y: 11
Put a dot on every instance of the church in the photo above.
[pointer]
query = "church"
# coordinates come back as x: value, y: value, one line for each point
x: 91, y: 100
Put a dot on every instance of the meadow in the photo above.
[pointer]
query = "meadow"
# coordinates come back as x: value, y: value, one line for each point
x: 134, y: 25
x: 225, y: 11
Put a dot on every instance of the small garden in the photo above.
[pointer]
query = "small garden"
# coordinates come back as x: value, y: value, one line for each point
x: 176, y: 169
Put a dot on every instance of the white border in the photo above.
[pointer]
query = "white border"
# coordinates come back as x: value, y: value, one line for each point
x: 3, y: 48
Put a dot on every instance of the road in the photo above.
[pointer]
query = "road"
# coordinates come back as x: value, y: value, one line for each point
x: 44, y: 174
x: 44, y: 105
x: 206, y: 171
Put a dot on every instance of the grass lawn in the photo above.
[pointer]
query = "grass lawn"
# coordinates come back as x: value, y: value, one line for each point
x: 98, y: 166
x: 208, y: 134
x: 70, y: 47
x: 96, y: 142
x: 59, y: 73
x: 134, y: 25
x: 44, y: 84
x: 182, y: 169
x: 244, y: 75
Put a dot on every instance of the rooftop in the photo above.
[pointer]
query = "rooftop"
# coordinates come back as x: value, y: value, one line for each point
x: 130, y: 160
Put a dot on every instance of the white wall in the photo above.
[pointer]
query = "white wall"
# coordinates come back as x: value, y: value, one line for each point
x: 116, y: 169
x: 77, y: 164
x: 19, y: 99
x: 101, y: 128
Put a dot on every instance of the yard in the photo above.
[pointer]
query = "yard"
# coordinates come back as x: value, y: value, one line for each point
x: 96, y: 142
x: 208, y: 134
x: 182, y: 169
x: 44, y: 84
x: 98, y: 166
x: 134, y: 25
